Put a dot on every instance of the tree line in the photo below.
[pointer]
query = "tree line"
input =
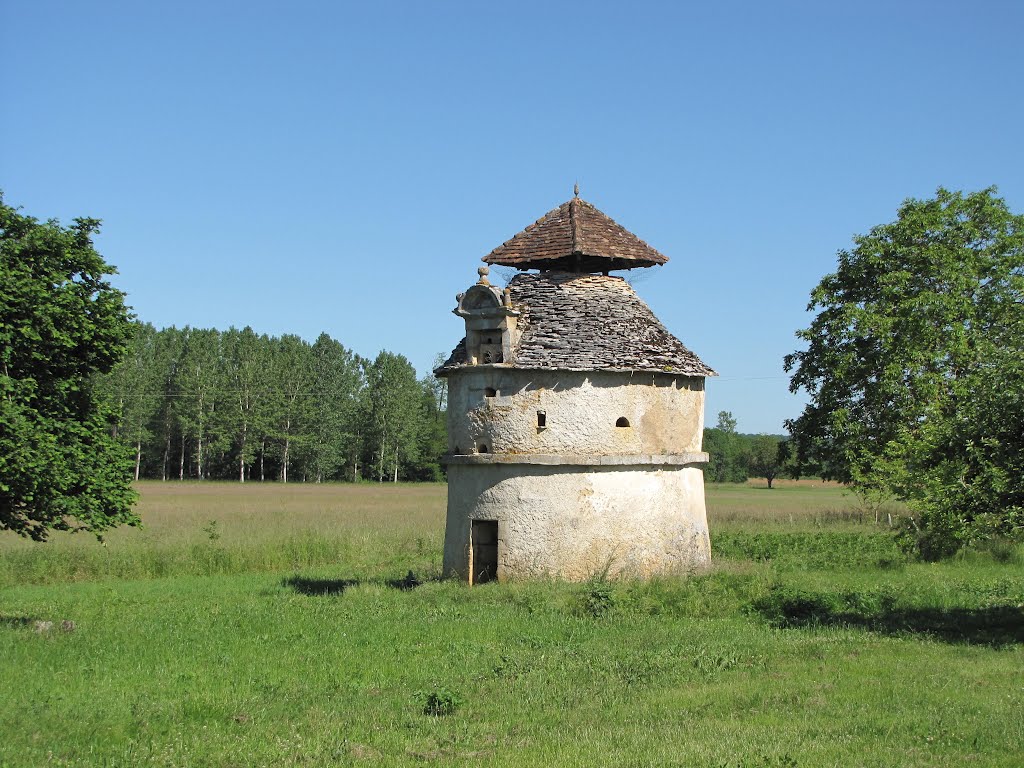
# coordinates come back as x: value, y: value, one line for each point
x: 208, y: 404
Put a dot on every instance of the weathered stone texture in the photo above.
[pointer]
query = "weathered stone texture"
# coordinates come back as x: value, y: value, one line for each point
x: 571, y: 321
x: 636, y: 522
x: 665, y: 413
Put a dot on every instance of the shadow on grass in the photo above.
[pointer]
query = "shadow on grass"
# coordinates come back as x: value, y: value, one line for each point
x: 325, y: 587
x: 15, y: 621
x: 319, y: 587
x: 997, y: 626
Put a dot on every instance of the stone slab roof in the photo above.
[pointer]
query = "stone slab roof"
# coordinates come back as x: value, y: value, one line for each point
x: 583, y: 322
x: 575, y: 237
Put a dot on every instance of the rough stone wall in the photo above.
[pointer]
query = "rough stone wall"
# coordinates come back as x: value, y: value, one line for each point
x: 578, y: 522
x: 665, y: 412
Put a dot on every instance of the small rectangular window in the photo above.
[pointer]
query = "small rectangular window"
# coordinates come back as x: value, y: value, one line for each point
x: 542, y: 420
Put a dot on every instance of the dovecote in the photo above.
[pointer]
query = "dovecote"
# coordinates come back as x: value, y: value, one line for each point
x: 575, y: 417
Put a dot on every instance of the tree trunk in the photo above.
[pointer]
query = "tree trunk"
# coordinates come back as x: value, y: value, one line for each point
x: 241, y: 458
x: 181, y: 461
x: 263, y: 451
x: 284, y: 461
x: 395, y: 479
x: 138, y: 458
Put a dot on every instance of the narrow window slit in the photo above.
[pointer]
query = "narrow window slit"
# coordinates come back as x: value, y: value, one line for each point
x: 542, y: 419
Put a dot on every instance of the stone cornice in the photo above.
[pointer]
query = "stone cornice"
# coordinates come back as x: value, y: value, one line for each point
x: 579, y: 459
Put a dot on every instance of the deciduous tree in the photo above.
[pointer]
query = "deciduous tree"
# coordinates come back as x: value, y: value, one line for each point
x: 766, y: 457
x: 61, y: 323
x: 911, y: 361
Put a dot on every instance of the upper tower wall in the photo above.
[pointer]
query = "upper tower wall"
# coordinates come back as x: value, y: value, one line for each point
x: 495, y: 410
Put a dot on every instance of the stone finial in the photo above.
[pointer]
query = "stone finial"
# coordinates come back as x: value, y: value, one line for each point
x: 506, y: 297
x: 483, y: 272
x: 576, y: 189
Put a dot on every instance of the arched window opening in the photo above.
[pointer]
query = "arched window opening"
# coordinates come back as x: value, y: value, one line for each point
x: 490, y: 392
x: 622, y: 422
x: 542, y: 420
x: 483, y: 448
x: 457, y: 450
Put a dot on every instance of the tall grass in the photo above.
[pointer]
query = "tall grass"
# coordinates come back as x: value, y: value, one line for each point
x: 216, y: 528
x: 223, y: 528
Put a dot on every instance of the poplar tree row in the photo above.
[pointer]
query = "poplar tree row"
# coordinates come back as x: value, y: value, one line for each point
x: 206, y: 404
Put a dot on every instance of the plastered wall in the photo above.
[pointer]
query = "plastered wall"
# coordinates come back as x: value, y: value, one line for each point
x: 578, y: 522
x: 665, y: 412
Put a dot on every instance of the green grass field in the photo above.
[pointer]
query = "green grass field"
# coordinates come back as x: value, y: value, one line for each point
x: 276, y: 626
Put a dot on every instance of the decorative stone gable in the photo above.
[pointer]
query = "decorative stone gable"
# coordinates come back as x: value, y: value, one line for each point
x: 490, y: 323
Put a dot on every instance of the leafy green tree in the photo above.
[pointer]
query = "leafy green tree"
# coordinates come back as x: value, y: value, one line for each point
x: 337, y: 379
x: 61, y: 323
x: 728, y: 462
x: 433, y: 439
x: 200, y: 378
x: 246, y: 362
x: 395, y: 414
x: 766, y: 456
x: 921, y: 326
x: 166, y: 427
x: 133, y: 390
x: 291, y: 412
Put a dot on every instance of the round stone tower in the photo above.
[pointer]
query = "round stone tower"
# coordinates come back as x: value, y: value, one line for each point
x: 574, y: 417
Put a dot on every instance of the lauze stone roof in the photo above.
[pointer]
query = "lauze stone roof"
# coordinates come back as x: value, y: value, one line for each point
x: 575, y: 237
x: 572, y: 321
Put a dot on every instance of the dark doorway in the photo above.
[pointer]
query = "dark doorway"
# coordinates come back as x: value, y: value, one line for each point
x: 483, y: 564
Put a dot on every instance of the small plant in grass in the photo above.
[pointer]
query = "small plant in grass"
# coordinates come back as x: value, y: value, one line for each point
x: 211, y: 530
x: 438, y: 702
x: 598, y: 598
x: 712, y: 663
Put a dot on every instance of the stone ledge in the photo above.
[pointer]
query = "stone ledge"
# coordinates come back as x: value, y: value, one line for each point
x: 575, y: 459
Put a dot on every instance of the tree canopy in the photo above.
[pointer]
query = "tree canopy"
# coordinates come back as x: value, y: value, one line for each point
x: 913, y: 368
x: 61, y: 322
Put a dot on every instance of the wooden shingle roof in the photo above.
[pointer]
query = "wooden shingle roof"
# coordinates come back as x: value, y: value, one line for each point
x: 575, y: 237
x: 581, y: 322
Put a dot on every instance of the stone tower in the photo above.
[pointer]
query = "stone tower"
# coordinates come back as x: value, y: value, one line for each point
x: 574, y: 417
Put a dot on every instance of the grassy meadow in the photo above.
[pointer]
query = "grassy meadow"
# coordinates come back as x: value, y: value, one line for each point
x: 279, y: 626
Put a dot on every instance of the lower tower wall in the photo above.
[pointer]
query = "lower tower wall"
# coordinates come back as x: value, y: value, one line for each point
x: 579, y: 521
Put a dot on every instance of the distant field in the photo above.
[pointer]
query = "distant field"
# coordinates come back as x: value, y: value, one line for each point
x: 203, y: 528
x: 276, y: 626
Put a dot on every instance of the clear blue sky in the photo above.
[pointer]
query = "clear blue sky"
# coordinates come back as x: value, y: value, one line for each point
x: 327, y: 166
